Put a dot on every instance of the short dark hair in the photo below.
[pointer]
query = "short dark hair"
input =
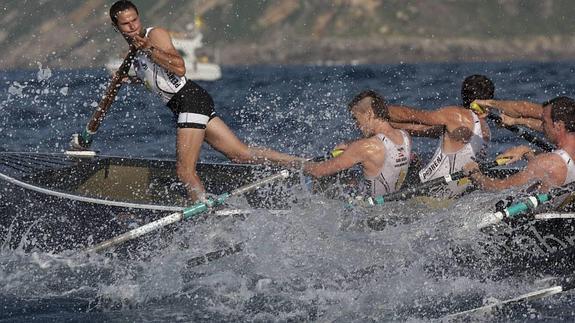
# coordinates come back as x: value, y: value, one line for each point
x: 118, y: 6
x: 563, y: 109
x: 476, y: 87
x: 378, y: 105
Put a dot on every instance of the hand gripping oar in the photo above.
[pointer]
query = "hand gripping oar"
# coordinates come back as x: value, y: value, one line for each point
x: 520, y: 131
x: 425, y: 187
x: 332, y: 154
x: 529, y: 203
x: 83, y: 140
x: 196, y: 209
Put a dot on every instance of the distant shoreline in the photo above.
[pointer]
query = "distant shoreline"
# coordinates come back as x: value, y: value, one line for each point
x: 330, y: 51
x: 400, y: 49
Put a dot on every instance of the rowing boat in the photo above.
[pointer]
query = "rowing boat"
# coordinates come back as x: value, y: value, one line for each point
x: 55, y: 201
x: 542, y: 244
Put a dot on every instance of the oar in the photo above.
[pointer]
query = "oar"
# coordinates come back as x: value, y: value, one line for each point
x: 520, y: 131
x: 425, y: 187
x: 196, y: 209
x: 516, y: 300
x: 528, y: 203
x: 84, y: 139
x: 567, y: 283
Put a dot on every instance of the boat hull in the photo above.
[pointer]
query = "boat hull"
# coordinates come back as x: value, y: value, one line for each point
x: 54, y: 202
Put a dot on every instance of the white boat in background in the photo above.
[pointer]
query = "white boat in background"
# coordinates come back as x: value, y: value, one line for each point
x: 197, y: 68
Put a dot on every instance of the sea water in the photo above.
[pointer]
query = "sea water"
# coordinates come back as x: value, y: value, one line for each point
x: 316, y: 261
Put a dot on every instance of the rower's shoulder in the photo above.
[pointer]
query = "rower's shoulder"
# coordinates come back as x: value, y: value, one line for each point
x: 365, y: 145
x: 159, y: 32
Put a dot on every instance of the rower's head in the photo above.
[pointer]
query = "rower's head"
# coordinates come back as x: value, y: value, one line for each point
x: 558, y: 117
x: 476, y: 87
x: 125, y: 18
x: 367, y: 106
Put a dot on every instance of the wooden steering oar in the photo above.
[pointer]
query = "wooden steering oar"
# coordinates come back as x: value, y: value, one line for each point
x: 83, y: 140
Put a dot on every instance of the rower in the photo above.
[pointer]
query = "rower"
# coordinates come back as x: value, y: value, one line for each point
x: 547, y: 170
x: 161, y: 68
x: 464, y: 135
x: 383, y: 153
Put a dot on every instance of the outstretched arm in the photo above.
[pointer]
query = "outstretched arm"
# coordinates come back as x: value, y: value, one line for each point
x: 449, y: 116
x: 419, y: 130
x: 542, y: 168
x: 516, y: 109
x: 354, y: 154
x: 535, y: 124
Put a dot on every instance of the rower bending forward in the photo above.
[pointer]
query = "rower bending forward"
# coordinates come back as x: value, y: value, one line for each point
x: 556, y: 168
x: 384, y: 152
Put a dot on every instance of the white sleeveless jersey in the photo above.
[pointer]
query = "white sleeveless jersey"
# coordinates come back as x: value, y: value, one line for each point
x: 156, y: 78
x: 447, y: 163
x: 394, y: 169
x: 570, y: 165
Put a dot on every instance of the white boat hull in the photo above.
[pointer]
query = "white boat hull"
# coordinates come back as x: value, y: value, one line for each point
x: 194, y: 71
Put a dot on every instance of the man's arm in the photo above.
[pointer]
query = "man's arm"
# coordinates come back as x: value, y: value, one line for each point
x: 543, y: 168
x: 449, y: 116
x: 535, y: 124
x: 161, y: 50
x: 354, y: 154
x: 419, y: 130
x: 516, y: 109
x: 517, y: 153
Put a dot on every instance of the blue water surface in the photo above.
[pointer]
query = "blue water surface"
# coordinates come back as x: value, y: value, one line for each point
x: 296, y: 267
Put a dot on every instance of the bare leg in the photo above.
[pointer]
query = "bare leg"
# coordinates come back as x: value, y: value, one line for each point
x: 188, y: 146
x: 221, y: 137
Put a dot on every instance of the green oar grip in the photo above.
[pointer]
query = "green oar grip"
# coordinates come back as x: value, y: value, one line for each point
x: 378, y: 200
x: 202, y: 207
x: 531, y: 203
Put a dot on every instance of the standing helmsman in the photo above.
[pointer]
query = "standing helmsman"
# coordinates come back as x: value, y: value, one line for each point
x: 160, y: 67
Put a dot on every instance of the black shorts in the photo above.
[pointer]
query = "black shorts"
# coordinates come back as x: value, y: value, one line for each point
x: 192, y: 106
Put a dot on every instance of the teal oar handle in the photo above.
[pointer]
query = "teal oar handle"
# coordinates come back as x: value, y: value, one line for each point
x: 530, y: 203
x: 187, y: 213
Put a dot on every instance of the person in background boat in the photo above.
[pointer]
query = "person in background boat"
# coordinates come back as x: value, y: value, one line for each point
x: 383, y: 153
x: 161, y: 68
x: 552, y: 169
x: 464, y: 134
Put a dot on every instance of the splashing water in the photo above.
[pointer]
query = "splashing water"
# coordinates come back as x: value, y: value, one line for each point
x: 317, y: 260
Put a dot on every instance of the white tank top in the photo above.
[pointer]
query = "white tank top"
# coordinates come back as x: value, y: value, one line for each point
x: 156, y: 78
x: 446, y: 163
x: 394, y: 169
x: 570, y: 165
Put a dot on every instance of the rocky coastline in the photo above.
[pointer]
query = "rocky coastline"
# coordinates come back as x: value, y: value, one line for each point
x: 325, y: 51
